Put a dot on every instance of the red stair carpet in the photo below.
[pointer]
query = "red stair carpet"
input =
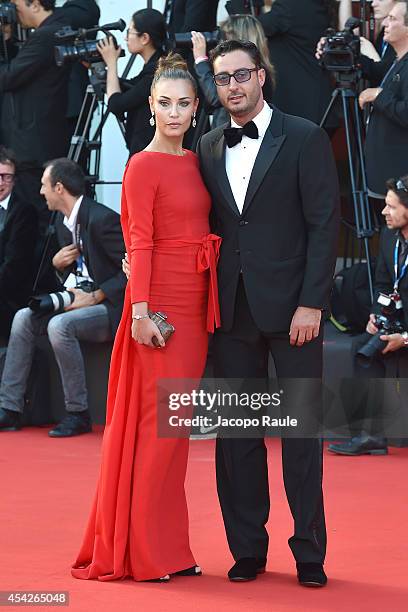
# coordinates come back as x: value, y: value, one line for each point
x: 46, y: 492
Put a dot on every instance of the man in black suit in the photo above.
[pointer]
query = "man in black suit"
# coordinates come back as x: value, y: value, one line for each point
x: 274, y: 189
x: 18, y: 235
x: 34, y: 94
x: 188, y: 15
x: 386, y: 146
x: 88, y: 263
x: 394, y: 356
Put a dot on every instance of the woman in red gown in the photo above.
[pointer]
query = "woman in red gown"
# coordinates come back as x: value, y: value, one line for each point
x: 138, y: 526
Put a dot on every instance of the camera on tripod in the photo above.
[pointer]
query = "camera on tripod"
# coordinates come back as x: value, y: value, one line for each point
x: 341, y: 51
x: 8, y: 13
x: 388, y: 322
x: 78, y: 45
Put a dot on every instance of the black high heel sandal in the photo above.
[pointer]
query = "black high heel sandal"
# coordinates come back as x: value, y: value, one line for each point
x: 195, y: 570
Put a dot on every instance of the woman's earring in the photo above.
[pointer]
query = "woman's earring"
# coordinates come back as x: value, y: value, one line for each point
x: 152, y: 121
x: 194, y: 123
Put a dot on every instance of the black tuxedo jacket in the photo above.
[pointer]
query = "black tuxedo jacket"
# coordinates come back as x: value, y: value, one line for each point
x: 34, y: 99
x: 103, y: 249
x: 384, y: 272
x: 17, y: 245
x: 187, y: 15
x: 386, y: 147
x: 285, y: 240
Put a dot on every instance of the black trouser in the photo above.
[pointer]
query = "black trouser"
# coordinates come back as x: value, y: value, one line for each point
x: 369, y: 413
x: 242, y: 472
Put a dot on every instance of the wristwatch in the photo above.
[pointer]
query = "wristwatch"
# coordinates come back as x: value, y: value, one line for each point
x: 405, y: 338
x: 138, y: 317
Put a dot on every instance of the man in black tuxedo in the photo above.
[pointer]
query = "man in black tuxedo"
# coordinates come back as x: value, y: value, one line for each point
x: 34, y: 93
x: 87, y: 261
x: 386, y: 146
x: 274, y: 189
x: 394, y: 356
x: 18, y: 235
x: 188, y: 15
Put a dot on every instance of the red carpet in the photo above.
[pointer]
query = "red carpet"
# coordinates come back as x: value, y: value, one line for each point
x: 46, y: 491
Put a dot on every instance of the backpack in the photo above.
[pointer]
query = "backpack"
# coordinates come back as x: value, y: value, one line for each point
x: 350, y: 300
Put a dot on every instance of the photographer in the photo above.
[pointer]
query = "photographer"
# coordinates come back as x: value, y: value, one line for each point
x: 145, y: 37
x: 392, y: 355
x: 34, y: 99
x: 189, y: 15
x: 18, y: 236
x: 386, y: 146
x: 293, y: 29
x: 88, y: 262
x: 236, y: 27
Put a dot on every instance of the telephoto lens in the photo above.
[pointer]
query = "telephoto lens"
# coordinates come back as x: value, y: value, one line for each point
x: 51, y: 302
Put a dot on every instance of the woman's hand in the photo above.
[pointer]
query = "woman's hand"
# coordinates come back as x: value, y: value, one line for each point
x: 144, y: 330
x: 199, y: 45
x: 108, y: 50
x: 126, y: 266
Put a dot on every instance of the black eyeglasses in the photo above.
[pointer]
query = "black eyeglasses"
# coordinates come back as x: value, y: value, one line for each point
x: 241, y: 75
x: 400, y: 185
x: 7, y: 178
x: 131, y: 31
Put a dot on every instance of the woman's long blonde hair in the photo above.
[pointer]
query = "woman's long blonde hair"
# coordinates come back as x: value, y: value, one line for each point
x: 247, y: 27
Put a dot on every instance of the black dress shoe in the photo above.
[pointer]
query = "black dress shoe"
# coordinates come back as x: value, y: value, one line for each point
x: 9, y: 420
x: 311, y: 574
x: 246, y: 569
x: 74, y: 424
x: 361, y: 445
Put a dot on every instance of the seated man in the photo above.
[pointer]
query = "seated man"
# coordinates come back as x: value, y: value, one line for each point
x: 18, y: 235
x: 390, y: 279
x: 89, y: 264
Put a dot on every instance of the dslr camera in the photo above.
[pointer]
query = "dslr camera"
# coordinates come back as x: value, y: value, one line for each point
x: 388, y: 322
x: 341, y: 51
x: 80, y: 45
x: 49, y: 303
x: 8, y: 13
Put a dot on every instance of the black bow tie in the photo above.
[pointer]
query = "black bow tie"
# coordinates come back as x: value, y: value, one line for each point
x: 234, y: 135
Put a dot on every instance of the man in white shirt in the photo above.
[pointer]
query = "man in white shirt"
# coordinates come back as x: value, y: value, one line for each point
x: 89, y: 265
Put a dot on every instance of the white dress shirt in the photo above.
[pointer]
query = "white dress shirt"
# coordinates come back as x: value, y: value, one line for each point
x: 71, y: 224
x: 240, y: 160
x: 5, y: 203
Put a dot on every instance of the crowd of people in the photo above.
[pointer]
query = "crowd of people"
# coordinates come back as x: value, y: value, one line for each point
x: 237, y: 239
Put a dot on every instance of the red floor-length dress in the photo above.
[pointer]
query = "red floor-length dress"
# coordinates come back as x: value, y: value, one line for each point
x: 138, y: 525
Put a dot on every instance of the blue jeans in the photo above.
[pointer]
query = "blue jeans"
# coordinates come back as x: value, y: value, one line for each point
x: 64, y: 331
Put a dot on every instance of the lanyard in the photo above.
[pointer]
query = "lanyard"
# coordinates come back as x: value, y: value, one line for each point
x: 384, y: 49
x: 388, y: 73
x: 403, y: 269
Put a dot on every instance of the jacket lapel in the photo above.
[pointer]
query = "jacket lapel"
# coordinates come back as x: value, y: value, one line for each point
x: 270, y: 147
x: 220, y: 173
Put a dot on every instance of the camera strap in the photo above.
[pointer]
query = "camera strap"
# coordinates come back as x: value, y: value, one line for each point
x: 401, y: 275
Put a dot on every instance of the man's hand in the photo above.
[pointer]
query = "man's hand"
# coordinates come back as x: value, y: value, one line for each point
x: 82, y: 299
x: 305, y: 325
x: 394, y: 343
x: 368, y: 95
x: 319, y: 48
x: 7, y: 31
x: 65, y: 257
x: 371, y: 326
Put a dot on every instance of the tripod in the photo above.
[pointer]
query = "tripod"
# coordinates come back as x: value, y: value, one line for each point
x: 346, y: 89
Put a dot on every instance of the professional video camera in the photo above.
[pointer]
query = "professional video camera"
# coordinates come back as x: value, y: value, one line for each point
x: 182, y: 40
x: 78, y: 45
x: 341, y: 51
x: 8, y: 13
x: 388, y: 322
x: 243, y: 7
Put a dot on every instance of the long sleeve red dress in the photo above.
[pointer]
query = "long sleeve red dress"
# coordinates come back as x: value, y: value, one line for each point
x: 138, y: 525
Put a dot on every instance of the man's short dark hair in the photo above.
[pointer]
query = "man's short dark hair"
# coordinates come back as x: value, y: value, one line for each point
x: 48, y: 5
x: 228, y: 46
x: 7, y: 156
x: 400, y: 188
x: 69, y: 174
